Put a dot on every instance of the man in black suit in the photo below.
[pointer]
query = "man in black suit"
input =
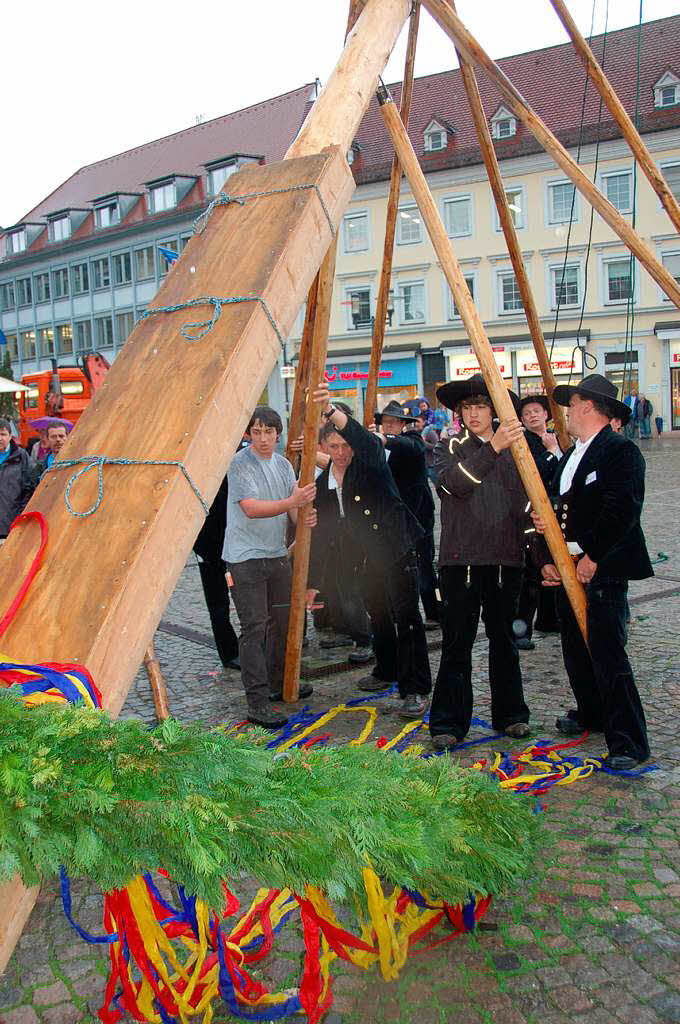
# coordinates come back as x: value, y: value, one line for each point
x: 212, y: 567
x: 598, y: 491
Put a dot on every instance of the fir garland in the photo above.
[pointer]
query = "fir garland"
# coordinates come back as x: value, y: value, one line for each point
x: 111, y: 800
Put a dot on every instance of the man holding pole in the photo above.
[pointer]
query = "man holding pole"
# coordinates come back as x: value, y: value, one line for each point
x: 599, y: 489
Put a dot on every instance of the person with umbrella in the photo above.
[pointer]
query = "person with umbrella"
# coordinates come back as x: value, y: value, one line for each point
x: 17, y: 479
x: 57, y: 431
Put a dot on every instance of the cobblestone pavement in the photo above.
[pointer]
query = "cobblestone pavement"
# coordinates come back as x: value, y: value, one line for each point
x: 592, y: 938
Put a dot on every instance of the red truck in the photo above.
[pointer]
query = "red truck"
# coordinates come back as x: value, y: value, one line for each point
x: 63, y: 391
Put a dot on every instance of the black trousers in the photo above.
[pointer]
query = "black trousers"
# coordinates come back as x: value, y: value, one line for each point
x: 602, y: 679
x: 534, y: 595
x: 216, y: 592
x: 427, y: 578
x: 391, y: 599
x: 342, y: 588
x: 494, y: 591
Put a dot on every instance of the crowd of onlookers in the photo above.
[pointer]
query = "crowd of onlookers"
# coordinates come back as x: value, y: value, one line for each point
x: 22, y: 468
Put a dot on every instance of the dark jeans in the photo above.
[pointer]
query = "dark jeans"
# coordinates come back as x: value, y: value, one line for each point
x: 451, y: 710
x: 391, y: 598
x: 534, y: 596
x: 607, y: 699
x: 427, y: 578
x: 261, y: 593
x: 216, y: 594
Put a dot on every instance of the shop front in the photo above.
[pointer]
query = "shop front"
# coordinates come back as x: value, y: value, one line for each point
x: 675, y: 384
x: 566, y: 363
x: 463, y: 364
x: 397, y: 380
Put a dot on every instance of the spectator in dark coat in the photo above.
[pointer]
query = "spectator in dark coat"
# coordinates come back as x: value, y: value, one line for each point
x: 17, y: 478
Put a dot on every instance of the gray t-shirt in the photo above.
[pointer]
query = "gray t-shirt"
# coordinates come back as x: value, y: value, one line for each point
x: 267, y: 480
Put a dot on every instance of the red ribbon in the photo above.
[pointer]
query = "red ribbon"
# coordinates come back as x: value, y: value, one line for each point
x: 35, y: 565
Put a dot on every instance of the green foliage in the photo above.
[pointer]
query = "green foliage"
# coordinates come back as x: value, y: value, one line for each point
x: 7, y: 403
x: 112, y: 799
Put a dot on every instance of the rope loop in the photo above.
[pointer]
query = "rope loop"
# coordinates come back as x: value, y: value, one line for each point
x: 225, y: 200
x: 203, y: 327
x: 220, y: 200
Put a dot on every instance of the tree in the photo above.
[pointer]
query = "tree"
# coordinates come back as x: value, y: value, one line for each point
x: 7, y: 403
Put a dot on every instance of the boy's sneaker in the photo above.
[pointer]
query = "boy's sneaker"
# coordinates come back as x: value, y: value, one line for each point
x: 361, y: 654
x: 413, y: 706
x: 266, y: 718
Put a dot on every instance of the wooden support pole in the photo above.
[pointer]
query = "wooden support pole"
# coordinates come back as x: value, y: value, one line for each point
x: 474, y: 53
x: 524, y: 460
x: 371, y: 397
x: 159, y: 690
x: 618, y: 112
x: 297, y: 409
x: 303, y: 533
x: 505, y: 217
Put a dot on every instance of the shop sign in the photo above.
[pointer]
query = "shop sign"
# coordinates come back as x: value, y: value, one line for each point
x: 464, y: 365
x: 396, y: 372
x: 564, y: 360
x: 675, y: 353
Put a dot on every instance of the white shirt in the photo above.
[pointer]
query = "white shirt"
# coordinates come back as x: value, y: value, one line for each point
x: 333, y: 485
x: 567, y: 478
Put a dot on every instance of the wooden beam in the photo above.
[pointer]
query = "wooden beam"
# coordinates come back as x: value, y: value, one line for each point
x: 618, y: 112
x: 297, y: 409
x: 524, y: 460
x: 505, y: 217
x: 159, y: 691
x: 371, y: 397
x: 475, y: 54
x: 303, y: 533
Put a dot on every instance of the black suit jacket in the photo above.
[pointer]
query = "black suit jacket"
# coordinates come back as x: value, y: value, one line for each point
x: 381, y: 527
x: 605, y: 503
x: 408, y: 466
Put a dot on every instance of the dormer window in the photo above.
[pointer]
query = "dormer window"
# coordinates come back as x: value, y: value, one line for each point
x: 667, y: 91
x: 162, y: 197
x: 218, y: 175
x: 60, y: 228
x: 436, y: 137
x: 107, y: 214
x: 503, y: 124
x: 17, y: 241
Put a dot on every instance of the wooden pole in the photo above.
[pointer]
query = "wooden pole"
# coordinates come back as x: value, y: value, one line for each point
x: 159, y: 690
x: 297, y: 409
x: 499, y: 394
x: 371, y: 397
x: 303, y: 533
x: 474, y: 53
x: 505, y: 217
x: 618, y: 112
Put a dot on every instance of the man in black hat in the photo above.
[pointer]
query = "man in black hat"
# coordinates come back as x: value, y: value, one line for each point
x: 405, y: 453
x: 483, y: 517
x: 356, y: 493
x: 534, y: 411
x: 599, y: 487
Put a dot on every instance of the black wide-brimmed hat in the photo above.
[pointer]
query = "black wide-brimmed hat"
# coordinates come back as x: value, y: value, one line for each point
x: 594, y: 386
x: 396, y: 411
x: 455, y: 391
x: 538, y: 399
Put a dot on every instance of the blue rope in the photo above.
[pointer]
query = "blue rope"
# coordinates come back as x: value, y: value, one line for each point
x: 98, y: 462
x: 202, y: 327
x: 225, y: 200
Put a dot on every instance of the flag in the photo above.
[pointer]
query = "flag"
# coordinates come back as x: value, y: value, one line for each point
x: 3, y: 337
x: 169, y: 254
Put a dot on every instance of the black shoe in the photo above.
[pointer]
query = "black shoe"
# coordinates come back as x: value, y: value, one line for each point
x: 361, y: 655
x: 372, y: 685
x: 304, y: 691
x: 335, y: 641
x: 569, y: 727
x: 522, y: 644
x: 445, y: 741
x: 622, y: 762
x: 265, y: 718
x: 234, y: 663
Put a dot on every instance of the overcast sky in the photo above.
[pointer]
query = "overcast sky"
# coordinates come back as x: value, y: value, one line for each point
x: 83, y: 81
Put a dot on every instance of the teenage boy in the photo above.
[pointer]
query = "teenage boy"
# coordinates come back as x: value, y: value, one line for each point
x: 263, y: 496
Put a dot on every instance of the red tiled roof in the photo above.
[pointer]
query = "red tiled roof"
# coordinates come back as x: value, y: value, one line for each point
x: 265, y: 129
x: 552, y: 81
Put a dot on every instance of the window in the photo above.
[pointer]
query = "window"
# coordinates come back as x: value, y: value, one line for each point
x: 83, y: 336
x: 671, y: 261
x: 13, y: 347
x: 458, y: 216
x: 409, y: 226
x: 452, y: 312
x: 124, y: 324
x: 103, y: 331
x: 101, y: 276
x: 81, y: 278
x: 7, y: 296
x: 64, y: 340
x: 217, y: 177
x: 17, y: 241
x: 619, y: 280
x: 60, y: 283
x: 28, y: 349
x: 358, y: 307
x: 667, y: 90
x: 435, y: 140
x: 618, y: 190
x: 356, y: 232
x: 144, y: 263
x: 183, y: 242
x: 564, y: 286
x: 60, y: 229
x: 671, y: 173
x: 509, y: 298
x: 46, y: 341
x: 41, y: 284
x: 24, y: 294
x: 72, y: 387
x: 164, y: 263
x: 561, y: 195
x: 411, y: 303
x: 107, y: 214
x: 516, y: 204
x: 122, y: 268
x: 503, y: 124
x: 162, y: 197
